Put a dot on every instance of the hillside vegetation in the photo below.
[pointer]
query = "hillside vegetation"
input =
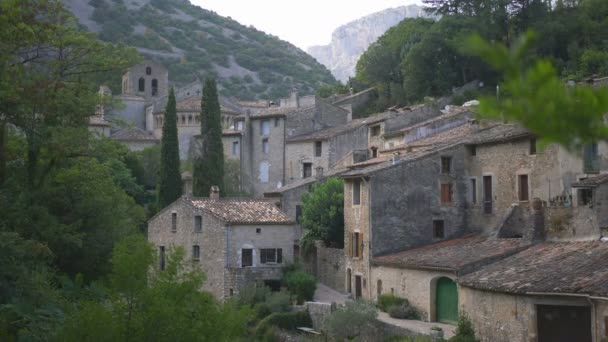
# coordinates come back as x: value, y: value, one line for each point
x: 193, y: 42
x: 420, y: 58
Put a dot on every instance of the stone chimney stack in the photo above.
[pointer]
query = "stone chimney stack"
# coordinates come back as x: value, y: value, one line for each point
x: 319, y: 172
x: 215, y: 193
x: 535, y: 231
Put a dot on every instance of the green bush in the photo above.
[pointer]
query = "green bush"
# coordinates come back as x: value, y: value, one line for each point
x: 464, y: 330
x: 278, y: 301
x: 283, y: 320
x: 356, y: 320
x: 402, y: 311
x: 385, y: 301
x: 301, y: 284
x: 253, y: 295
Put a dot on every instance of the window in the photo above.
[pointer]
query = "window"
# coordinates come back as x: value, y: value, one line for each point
x: 196, y: 253
x: 523, y: 187
x: 375, y: 131
x: 265, y: 127
x: 148, y: 71
x: 487, y: 194
x: 473, y: 150
x: 532, y: 146
x: 446, y: 165
x: 239, y: 125
x: 265, y: 147
x: 446, y: 193
x: 189, y: 119
x: 298, y: 213
x: 142, y: 84
x: 585, y: 196
x: 356, y: 192
x: 236, y: 150
x: 154, y: 87
x: 173, y: 222
x: 183, y: 119
x: 379, y: 287
x: 198, y: 224
x: 258, y: 230
x: 276, y: 122
x: 271, y: 255
x: 438, y: 229
x: 473, y: 191
x: 356, y: 246
x: 264, y: 172
x: 246, y: 257
x: 318, y: 148
x: 161, y: 258
x: 306, y: 170
x: 591, y: 161
x: 374, y: 152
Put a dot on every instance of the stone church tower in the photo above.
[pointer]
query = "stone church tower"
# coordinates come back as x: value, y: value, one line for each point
x: 149, y: 80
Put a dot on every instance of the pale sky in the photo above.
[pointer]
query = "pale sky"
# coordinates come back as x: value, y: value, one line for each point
x: 303, y: 23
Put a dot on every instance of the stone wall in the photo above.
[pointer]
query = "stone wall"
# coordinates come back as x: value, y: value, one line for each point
x: 330, y: 268
x: 212, y: 241
x: 273, y: 161
x: 256, y: 237
x: 418, y: 286
x: 158, y: 72
x: 356, y: 219
x: 298, y: 153
x: 319, y: 312
x: 343, y: 144
x: 406, y: 198
x: 500, y: 317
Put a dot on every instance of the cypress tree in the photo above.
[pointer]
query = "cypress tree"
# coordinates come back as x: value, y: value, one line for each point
x: 209, y: 163
x: 170, y: 183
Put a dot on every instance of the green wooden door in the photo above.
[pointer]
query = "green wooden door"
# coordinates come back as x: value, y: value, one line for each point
x: 446, y: 301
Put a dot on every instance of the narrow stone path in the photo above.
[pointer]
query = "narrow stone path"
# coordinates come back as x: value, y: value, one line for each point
x: 417, y: 326
x: 325, y: 294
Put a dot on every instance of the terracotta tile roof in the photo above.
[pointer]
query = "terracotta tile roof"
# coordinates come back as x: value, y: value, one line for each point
x: 461, y: 255
x: 242, y: 211
x: 499, y: 133
x: 134, y: 134
x: 591, y: 182
x: 565, y: 267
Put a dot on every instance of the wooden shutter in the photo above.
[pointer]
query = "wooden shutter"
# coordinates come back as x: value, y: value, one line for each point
x: 445, y: 193
x: 279, y: 255
x: 360, y: 254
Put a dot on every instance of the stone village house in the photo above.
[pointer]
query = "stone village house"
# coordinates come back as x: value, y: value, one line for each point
x: 236, y: 242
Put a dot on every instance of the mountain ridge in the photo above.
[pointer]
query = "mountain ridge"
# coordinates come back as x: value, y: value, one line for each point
x: 350, y: 40
x: 194, y: 43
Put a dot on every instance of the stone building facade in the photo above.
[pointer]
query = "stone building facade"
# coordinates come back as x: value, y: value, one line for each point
x: 236, y: 242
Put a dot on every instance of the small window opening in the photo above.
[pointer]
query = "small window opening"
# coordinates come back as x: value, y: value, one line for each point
x: 438, y: 229
x: 148, y: 71
x: 473, y: 150
x: 298, y: 213
x: 318, y: 148
x: 271, y: 255
x: 585, y: 196
x: 198, y: 224
x: 446, y: 165
x: 246, y: 257
x: 375, y: 131
x: 306, y: 170
x: 265, y: 146
x: 473, y: 191
x: 258, y: 230
x: 523, y: 188
x: 142, y: 84
x: 161, y: 259
x: 356, y: 245
x: 196, y: 253
x: 532, y: 147
x: 155, y: 87
x: 356, y: 192
x: 236, y: 148
x: 173, y: 222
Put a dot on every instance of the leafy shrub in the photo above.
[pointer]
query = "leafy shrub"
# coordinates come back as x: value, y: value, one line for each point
x: 253, y: 295
x: 464, y: 330
x: 278, y: 302
x: 283, y: 320
x: 402, y: 311
x: 301, y: 284
x: 385, y: 301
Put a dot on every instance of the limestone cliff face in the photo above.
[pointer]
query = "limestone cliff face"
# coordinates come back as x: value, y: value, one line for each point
x: 349, y: 41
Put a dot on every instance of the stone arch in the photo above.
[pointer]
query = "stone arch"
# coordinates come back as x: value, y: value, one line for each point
x: 349, y: 286
x: 141, y: 84
x: 444, y: 300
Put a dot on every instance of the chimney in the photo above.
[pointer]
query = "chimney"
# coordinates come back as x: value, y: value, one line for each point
x: 319, y: 172
x: 536, y: 223
x: 215, y: 193
x: 396, y: 156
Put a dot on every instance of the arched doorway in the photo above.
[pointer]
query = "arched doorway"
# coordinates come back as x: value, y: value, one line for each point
x: 349, y: 288
x: 446, y: 301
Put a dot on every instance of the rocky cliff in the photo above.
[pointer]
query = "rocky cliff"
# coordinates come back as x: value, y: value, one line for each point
x: 349, y: 41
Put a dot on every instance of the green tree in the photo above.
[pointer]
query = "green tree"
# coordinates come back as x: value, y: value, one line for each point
x: 533, y: 95
x: 323, y: 214
x: 209, y: 160
x: 145, y: 304
x: 170, y: 179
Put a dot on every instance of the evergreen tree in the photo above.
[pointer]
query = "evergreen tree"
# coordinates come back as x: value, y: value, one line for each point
x: 209, y: 163
x: 170, y: 184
